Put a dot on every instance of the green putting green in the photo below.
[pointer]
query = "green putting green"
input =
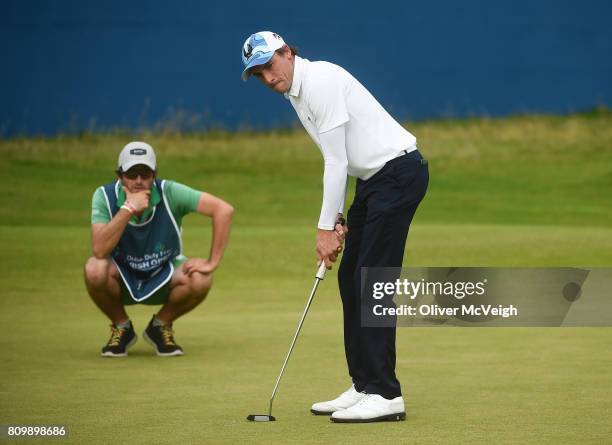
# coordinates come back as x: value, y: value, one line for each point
x: 519, y: 191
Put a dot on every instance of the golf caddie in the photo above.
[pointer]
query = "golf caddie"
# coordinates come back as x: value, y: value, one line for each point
x: 138, y: 252
x: 356, y: 137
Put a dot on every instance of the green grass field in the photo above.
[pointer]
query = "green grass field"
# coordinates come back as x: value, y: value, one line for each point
x: 519, y: 191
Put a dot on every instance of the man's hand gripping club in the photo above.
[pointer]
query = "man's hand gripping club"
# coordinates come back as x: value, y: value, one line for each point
x: 329, y: 242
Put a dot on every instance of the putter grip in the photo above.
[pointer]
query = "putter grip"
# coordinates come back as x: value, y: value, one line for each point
x: 321, y: 272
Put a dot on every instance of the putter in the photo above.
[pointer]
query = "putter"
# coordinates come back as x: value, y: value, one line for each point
x: 269, y: 417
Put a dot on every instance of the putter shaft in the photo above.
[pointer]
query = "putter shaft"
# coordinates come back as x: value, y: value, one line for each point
x: 319, y: 277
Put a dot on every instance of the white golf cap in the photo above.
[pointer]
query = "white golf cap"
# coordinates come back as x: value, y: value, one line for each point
x: 258, y: 49
x: 136, y: 153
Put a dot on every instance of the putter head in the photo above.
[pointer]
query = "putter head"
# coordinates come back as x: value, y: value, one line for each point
x: 260, y: 418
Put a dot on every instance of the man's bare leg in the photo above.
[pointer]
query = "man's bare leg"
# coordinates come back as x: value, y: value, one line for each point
x: 186, y: 292
x: 102, y: 281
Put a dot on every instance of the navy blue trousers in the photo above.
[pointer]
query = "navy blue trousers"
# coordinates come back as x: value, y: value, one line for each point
x: 378, y: 222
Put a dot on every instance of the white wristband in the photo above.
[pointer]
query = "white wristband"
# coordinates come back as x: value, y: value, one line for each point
x: 129, y: 207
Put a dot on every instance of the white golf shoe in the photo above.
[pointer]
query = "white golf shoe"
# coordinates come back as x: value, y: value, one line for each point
x: 345, y: 400
x: 372, y: 408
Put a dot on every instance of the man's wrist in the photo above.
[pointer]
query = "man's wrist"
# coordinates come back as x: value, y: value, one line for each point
x: 332, y: 226
x: 214, y: 263
x: 127, y: 205
x: 324, y: 235
x: 326, y: 227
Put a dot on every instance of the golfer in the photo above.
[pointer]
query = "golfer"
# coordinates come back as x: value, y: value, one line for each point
x: 356, y: 137
x: 137, y: 250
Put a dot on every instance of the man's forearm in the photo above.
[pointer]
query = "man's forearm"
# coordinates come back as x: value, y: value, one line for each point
x: 333, y: 146
x: 334, y: 180
x: 221, y: 225
x: 106, y: 237
x: 341, y: 208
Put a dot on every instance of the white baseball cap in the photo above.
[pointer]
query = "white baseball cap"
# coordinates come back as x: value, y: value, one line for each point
x: 136, y: 153
x: 258, y: 49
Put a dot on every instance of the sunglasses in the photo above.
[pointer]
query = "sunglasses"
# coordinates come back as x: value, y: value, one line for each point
x: 135, y: 173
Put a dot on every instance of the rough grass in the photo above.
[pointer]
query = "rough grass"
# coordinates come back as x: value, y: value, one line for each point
x: 543, y: 170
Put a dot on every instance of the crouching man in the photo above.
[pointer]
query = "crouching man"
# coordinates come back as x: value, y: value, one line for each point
x: 137, y: 250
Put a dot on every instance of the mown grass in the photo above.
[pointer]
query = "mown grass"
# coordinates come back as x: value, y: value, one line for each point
x: 519, y: 191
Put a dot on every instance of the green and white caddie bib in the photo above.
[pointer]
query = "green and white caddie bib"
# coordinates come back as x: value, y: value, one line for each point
x: 145, y: 251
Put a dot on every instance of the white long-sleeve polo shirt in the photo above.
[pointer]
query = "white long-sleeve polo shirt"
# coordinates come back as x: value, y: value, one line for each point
x: 354, y: 132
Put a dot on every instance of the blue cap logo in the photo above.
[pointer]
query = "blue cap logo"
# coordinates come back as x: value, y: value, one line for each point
x: 258, y: 49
